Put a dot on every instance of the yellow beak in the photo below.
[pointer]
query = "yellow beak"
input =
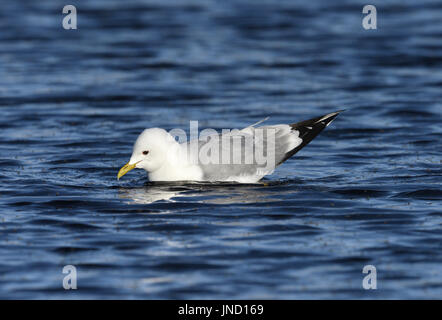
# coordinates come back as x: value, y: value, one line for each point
x: 125, y: 169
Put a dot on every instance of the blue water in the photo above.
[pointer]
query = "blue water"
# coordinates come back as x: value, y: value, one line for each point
x: 366, y: 191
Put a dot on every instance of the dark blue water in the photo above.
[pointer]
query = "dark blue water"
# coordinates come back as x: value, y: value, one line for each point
x: 366, y: 191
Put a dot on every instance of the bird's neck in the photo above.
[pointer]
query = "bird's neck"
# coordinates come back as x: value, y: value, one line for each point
x: 176, y: 167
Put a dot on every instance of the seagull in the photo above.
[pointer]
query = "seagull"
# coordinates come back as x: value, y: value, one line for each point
x: 243, y: 156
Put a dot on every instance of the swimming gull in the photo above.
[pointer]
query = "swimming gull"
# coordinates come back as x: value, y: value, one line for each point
x: 243, y: 156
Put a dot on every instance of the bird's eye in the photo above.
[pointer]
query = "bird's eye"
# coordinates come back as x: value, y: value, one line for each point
x: 145, y: 152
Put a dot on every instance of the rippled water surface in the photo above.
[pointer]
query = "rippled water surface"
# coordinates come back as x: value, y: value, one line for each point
x: 366, y: 191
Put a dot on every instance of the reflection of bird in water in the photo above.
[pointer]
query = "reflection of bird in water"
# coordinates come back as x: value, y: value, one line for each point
x: 145, y: 195
x: 211, y: 193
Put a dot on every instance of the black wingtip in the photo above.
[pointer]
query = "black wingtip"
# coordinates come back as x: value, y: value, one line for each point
x: 328, y: 118
x: 309, y: 129
x: 321, y: 122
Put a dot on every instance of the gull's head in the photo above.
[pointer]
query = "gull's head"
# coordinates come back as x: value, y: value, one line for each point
x: 149, y: 152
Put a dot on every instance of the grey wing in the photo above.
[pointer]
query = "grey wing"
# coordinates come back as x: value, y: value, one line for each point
x: 251, y: 152
x: 255, y: 152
